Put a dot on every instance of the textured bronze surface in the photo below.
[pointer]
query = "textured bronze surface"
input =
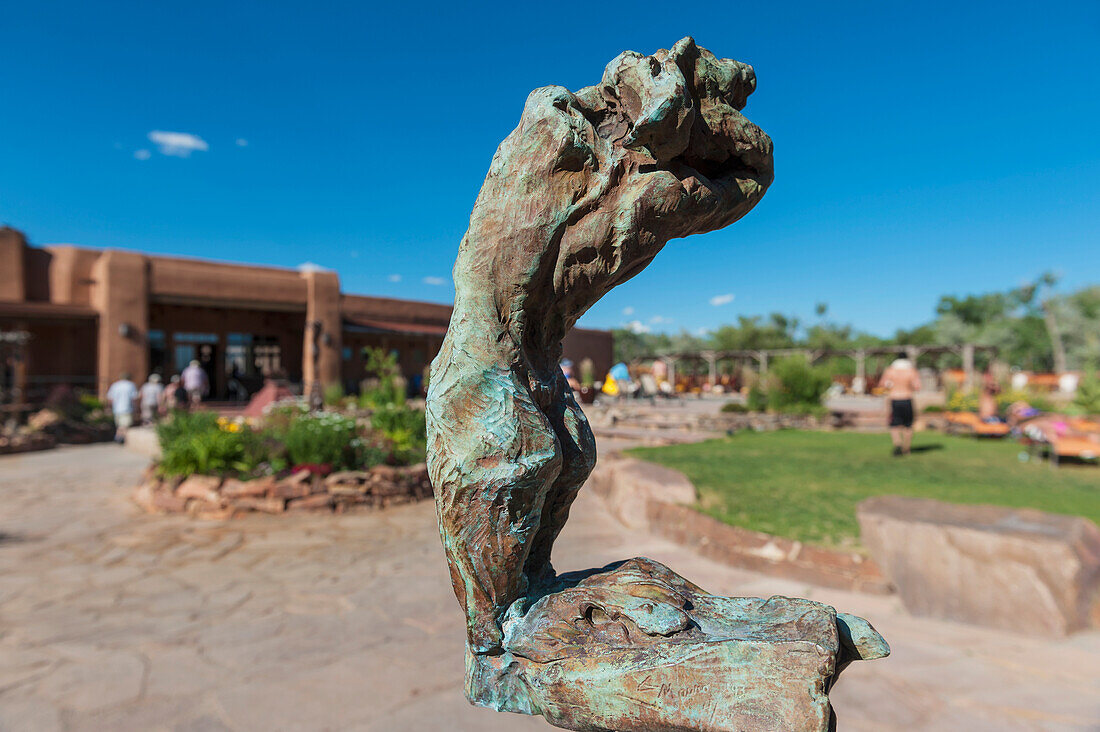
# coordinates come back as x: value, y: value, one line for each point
x: 579, y: 198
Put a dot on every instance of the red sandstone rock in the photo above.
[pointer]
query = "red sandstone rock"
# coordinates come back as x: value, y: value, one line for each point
x: 195, y: 506
x: 164, y: 500
x: 265, y: 505
x: 202, y: 487
x: 286, y: 489
x: 143, y: 496
x: 1016, y: 569
x: 233, y: 488
x: 319, y: 502
x: 348, y: 476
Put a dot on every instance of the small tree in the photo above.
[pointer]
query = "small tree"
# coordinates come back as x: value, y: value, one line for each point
x: 1088, y: 392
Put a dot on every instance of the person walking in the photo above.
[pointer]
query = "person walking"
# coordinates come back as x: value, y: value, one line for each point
x: 195, y: 382
x: 901, y: 381
x: 150, y: 395
x: 121, y: 395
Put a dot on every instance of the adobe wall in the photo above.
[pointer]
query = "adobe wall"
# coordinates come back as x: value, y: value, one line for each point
x: 323, y: 311
x: 194, y: 280
x: 385, y: 308
x: 121, y: 296
x: 595, y: 344
x: 12, y: 246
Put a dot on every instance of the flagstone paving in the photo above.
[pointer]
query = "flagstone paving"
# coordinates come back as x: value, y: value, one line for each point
x: 111, y: 619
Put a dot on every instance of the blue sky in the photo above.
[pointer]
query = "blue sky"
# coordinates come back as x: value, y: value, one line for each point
x: 921, y: 148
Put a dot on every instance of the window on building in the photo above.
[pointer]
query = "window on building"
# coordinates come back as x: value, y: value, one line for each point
x: 158, y: 351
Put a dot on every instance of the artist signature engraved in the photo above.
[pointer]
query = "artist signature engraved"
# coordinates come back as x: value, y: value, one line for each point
x: 668, y: 691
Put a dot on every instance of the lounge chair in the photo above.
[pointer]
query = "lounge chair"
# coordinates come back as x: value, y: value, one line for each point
x: 968, y: 423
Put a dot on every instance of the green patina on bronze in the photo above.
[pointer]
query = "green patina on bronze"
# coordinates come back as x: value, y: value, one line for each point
x: 578, y: 199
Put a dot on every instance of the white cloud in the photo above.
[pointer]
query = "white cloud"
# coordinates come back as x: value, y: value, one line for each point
x: 718, y: 300
x: 142, y: 154
x: 659, y: 319
x: 241, y: 142
x: 628, y: 311
x: 311, y: 267
x: 394, y: 278
x: 636, y: 326
x: 179, y: 144
x: 701, y: 332
x: 434, y: 281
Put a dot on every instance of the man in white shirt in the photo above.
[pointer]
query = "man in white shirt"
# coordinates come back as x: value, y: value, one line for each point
x: 121, y: 396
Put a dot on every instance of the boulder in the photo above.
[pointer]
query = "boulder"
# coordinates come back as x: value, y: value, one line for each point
x: 1015, y: 569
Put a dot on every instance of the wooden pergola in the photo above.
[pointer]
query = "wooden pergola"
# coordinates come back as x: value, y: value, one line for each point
x: 966, y: 351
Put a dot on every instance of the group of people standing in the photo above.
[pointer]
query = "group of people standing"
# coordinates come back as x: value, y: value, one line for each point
x: 153, y: 398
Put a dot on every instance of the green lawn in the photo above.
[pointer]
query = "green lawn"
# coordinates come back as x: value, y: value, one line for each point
x: 805, y: 485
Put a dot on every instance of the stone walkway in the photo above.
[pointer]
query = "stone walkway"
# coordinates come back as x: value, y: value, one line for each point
x: 114, y: 620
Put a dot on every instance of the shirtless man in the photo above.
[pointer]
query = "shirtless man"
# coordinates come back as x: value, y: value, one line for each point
x: 901, y: 381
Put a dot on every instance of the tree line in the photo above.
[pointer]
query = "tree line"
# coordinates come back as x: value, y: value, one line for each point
x: 1033, y: 327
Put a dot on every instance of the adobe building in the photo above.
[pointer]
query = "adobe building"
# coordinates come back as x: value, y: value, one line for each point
x: 92, y: 314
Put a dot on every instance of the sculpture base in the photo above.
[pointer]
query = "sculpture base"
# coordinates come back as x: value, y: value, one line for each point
x: 636, y: 648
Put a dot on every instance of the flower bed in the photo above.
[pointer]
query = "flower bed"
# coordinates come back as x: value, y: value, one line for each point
x: 291, y: 460
x: 214, y: 497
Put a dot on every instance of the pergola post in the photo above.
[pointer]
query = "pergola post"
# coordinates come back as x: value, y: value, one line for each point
x: 859, y: 384
x: 712, y: 367
x: 968, y: 366
x: 671, y: 363
x: 762, y: 358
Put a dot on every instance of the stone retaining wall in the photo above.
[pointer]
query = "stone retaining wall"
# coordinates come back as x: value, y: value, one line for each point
x: 765, y: 553
x: 644, y: 495
x: 210, y: 497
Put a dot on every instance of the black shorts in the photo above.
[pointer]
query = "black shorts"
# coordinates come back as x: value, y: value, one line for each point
x: 901, y: 412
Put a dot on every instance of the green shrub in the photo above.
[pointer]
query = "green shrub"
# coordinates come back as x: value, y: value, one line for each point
x: 1088, y: 392
x: 934, y: 409
x: 329, y: 439
x: 757, y: 400
x: 734, y: 408
x: 405, y: 429
x: 196, y: 443
x: 333, y: 394
x: 794, y: 386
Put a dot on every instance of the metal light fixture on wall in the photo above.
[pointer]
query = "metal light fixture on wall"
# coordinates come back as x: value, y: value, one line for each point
x: 125, y: 330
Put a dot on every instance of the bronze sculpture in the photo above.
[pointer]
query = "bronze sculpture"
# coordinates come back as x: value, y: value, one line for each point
x: 578, y: 199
